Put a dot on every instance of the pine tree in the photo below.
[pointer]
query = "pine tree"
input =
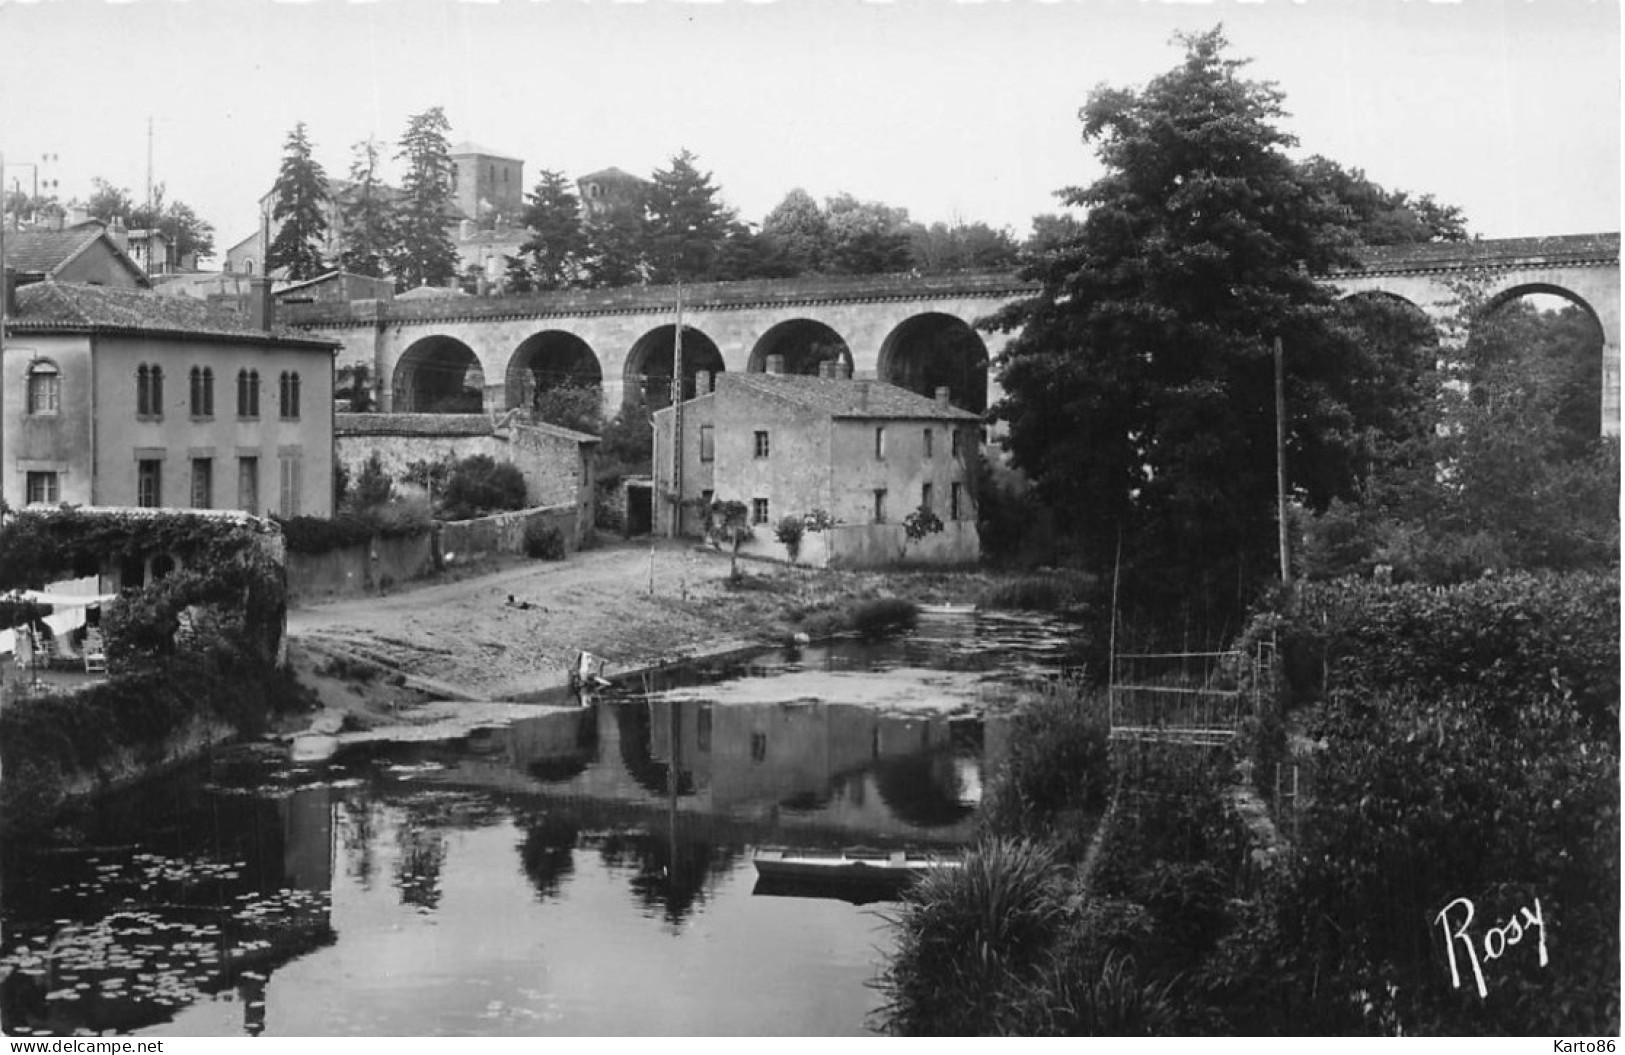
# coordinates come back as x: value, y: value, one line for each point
x: 298, y: 212
x: 424, y: 253
x: 559, y: 244
x: 687, y: 224
x: 615, y: 248
x: 367, y: 219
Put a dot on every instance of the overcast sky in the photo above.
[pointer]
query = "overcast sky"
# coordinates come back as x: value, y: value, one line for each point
x: 1507, y: 108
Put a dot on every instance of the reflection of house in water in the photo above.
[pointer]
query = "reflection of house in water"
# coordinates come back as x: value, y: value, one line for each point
x: 197, y: 895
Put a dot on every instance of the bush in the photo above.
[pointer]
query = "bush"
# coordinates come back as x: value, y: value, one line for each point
x: 1035, y: 593
x: 543, y: 541
x: 789, y: 532
x: 373, y: 486
x: 884, y: 615
x: 1056, y: 769
x: 971, y: 941
x: 320, y: 535
x: 480, y: 485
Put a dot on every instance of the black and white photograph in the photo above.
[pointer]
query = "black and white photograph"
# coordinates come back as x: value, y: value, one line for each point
x: 808, y: 518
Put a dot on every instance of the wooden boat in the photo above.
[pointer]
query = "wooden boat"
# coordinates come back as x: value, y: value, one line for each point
x: 849, y: 866
x: 947, y: 609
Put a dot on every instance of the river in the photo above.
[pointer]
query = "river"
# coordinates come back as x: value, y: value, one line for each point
x: 586, y: 871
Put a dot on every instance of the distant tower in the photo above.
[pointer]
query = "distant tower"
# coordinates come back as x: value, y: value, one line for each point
x: 487, y: 185
x: 610, y: 189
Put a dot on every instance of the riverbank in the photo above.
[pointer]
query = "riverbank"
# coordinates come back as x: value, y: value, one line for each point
x: 513, y: 632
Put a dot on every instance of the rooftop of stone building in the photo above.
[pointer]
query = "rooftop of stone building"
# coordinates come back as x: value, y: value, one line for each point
x: 56, y: 307
x: 844, y: 398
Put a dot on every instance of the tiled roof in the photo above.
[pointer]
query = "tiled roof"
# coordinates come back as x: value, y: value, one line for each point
x: 612, y: 175
x: 43, y: 252
x: 558, y: 430
x: 47, y: 307
x: 412, y: 425
x: 841, y: 398
x: 465, y: 147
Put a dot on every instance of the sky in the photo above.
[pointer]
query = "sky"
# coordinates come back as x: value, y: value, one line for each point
x: 957, y: 111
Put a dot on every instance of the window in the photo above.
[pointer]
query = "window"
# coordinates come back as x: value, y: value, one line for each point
x: 928, y: 439
x: 149, y: 391
x: 248, y: 484
x: 761, y: 445
x: 702, y: 727
x: 758, y: 510
x: 758, y: 747
x: 248, y: 393
x: 880, y: 505
x: 288, y: 394
x: 44, y: 388
x: 43, y: 488
x: 149, y: 483
x: 880, y: 443
x: 202, y: 392
x: 953, y: 442
x: 290, y: 478
x: 202, y: 483
x: 956, y: 499
x: 708, y: 444
x: 925, y: 495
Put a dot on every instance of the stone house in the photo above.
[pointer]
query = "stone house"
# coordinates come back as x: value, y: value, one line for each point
x: 87, y: 254
x: 110, y: 399
x: 862, y: 451
x: 559, y: 464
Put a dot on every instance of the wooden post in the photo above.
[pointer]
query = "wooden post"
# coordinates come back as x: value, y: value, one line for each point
x: 1280, y: 461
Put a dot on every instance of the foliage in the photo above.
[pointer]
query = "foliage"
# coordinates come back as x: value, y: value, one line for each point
x: 479, y: 485
x: 430, y: 475
x: 687, y: 225
x: 866, y: 237
x: 971, y: 940
x: 625, y: 447
x: 1382, y: 217
x: 789, y: 532
x: 572, y: 406
x: 884, y: 615
x: 1138, y: 391
x: 558, y: 244
x: 819, y: 520
x: 353, y: 383
x: 297, y: 210
x: 729, y: 522
x: 187, y: 233
x: 615, y: 247
x: 367, y: 234
x: 423, y: 253
x: 373, y: 485
x: 1035, y: 593
x: 1056, y: 772
x: 940, y: 248
x: 543, y: 541
x: 800, y: 230
x: 313, y: 535
x: 919, y: 524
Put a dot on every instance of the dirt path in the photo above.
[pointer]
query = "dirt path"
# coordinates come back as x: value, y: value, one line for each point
x: 462, y: 640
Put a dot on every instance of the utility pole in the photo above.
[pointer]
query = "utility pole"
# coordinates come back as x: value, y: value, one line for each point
x: 677, y: 419
x: 1280, y: 462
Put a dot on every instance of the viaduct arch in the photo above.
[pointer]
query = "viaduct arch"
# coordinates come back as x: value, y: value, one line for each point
x: 917, y: 331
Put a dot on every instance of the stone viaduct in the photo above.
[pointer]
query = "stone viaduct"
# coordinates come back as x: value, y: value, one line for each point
x: 458, y: 352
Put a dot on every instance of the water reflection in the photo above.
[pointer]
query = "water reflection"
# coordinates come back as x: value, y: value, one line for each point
x: 522, y: 879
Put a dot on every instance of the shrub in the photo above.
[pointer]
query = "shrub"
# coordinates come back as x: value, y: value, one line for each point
x: 320, y: 535
x: 479, y: 484
x: 543, y: 541
x: 373, y: 486
x: 1036, y: 593
x: 1056, y: 768
x: 971, y: 940
x: 884, y: 615
x: 789, y: 532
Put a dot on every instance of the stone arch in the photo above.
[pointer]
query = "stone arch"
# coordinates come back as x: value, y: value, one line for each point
x: 550, y: 359
x: 804, y: 343
x: 648, y: 365
x: 935, y: 350
x: 1586, y: 380
x: 438, y: 375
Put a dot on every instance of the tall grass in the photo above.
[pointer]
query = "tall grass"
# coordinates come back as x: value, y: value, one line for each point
x: 1037, y: 593
x: 1056, y: 775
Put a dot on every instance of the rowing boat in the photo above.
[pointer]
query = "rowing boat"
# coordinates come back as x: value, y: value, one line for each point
x: 947, y: 609
x: 849, y: 866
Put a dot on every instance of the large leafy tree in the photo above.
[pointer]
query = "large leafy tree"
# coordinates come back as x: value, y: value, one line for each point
x: 939, y: 247
x: 366, y: 214
x: 1139, y: 392
x: 688, y: 224
x: 558, y: 245
x: 800, y: 231
x: 866, y: 237
x: 1379, y: 216
x: 424, y: 252
x: 188, y: 234
x: 299, y: 210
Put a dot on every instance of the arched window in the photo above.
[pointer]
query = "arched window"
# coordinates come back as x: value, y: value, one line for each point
x: 44, y: 388
x: 248, y: 393
x: 149, y: 391
x: 288, y: 391
x: 202, y: 392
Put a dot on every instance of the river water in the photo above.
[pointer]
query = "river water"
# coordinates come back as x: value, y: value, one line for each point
x: 586, y: 871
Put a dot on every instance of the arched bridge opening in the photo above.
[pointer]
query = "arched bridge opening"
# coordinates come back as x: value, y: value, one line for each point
x: 934, y: 351
x: 1544, y: 343
x: 804, y: 344
x: 438, y: 375
x: 649, y: 365
x: 547, y: 362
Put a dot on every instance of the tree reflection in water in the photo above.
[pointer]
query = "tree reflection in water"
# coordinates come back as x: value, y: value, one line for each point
x: 547, y: 851
x: 925, y: 790
x: 669, y: 884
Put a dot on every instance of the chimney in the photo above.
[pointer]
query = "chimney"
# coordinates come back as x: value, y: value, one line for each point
x: 775, y: 364
x: 702, y: 382
x: 261, y: 305
x: 942, y: 396
x: 843, y: 370
x: 863, y: 395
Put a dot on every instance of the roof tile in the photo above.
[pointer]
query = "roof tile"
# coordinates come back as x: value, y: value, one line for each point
x: 840, y: 398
